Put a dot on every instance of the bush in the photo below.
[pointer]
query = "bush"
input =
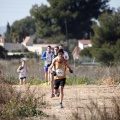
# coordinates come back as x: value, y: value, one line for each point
x: 11, y: 80
x: 17, y: 104
x: 78, y: 81
x: 3, y: 53
x: 34, y: 81
x: 28, y: 111
x: 96, y: 112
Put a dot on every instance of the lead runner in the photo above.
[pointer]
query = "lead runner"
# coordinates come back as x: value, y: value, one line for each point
x: 60, y: 65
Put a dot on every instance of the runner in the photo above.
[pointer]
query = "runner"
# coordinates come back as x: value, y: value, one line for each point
x: 60, y: 65
x: 66, y: 56
x: 22, y: 73
x: 47, y: 57
x: 50, y: 75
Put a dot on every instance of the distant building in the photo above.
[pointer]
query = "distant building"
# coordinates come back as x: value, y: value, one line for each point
x: 76, y: 52
x: 27, y: 43
x: 81, y: 45
x: 1, y: 39
x: 84, y: 43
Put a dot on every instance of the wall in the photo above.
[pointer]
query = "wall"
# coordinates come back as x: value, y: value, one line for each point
x: 13, y: 46
x: 82, y: 46
x: 39, y: 48
x: 2, y: 44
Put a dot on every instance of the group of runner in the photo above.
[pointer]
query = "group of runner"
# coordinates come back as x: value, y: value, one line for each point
x: 55, y: 66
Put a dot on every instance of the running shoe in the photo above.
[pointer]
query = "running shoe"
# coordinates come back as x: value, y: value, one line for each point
x: 61, y: 106
x: 58, y: 94
x: 52, y: 95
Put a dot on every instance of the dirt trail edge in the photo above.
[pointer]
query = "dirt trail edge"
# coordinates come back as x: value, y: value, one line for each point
x: 75, y: 99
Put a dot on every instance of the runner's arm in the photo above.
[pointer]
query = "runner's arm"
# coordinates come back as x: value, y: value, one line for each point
x: 67, y: 65
x: 66, y: 56
x: 43, y: 57
x: 18, y: 70
x: 52, y: 65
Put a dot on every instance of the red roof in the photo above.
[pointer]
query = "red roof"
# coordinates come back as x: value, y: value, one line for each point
x: 26, y: 39
x: 76, y: 50
x: 85, y: 41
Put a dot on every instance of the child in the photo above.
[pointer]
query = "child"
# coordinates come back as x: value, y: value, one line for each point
x: 60, y: 65
x: 22, y: 73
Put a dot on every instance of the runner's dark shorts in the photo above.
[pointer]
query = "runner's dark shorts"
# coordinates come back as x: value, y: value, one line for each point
x: 22, y: 78
x: 59, y: 82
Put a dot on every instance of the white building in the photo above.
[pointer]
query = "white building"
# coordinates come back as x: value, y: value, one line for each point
x: 27, y: 43
x: 81, y: 45
x: 84, y: 43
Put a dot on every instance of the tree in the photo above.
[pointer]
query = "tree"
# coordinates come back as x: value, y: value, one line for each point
x: 45, y: 25
x: 3, y: 53
x: 86, y: 52
x: 69, y: 17
x: 8, y: 36
x: 23, y: 28
x: 106, y: 39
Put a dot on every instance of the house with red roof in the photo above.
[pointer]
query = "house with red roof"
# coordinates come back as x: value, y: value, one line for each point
x: 28, y: 41
x: 36, y: 48
x: 81, y: 45
x: 84, y: 43
x: 76, y: 52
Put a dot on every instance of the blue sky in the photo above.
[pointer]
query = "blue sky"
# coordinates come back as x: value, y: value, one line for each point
x: 11, y: 10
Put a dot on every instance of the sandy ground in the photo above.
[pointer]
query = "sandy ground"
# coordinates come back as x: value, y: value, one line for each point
x: 76, y: 98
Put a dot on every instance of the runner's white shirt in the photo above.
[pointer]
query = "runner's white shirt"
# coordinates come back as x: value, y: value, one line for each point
x: 49, y: 58
x: 66, y: 56
x: 23, y: 72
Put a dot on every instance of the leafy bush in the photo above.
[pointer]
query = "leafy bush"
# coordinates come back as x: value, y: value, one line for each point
x: 28, y: 111
x: 17, y: 104
x: 3, y: 53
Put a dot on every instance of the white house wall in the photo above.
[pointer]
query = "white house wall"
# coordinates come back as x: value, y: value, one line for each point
x: 82, y: 46
x: 13, y: 46
x: 39, y: 48
x: 2, y: 44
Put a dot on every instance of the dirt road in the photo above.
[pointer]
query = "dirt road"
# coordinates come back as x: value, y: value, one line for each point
x: 76, y: 98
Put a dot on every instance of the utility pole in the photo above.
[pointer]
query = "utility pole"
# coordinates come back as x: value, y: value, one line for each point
x: 66, y: 31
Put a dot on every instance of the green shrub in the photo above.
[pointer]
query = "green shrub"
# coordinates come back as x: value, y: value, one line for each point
x: 16, y: 104
x: 35, y: 81
x: 28, y: 111
x: 78, y: 81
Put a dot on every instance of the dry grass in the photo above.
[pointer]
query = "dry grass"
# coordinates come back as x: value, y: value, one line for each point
x: 93, y: 111
x: 16, y: 102
x: 95, y: 103
x: 9, y: 68
x: 97, y: 74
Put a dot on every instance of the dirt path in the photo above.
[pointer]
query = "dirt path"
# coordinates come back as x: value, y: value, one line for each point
x: 75, y: 97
